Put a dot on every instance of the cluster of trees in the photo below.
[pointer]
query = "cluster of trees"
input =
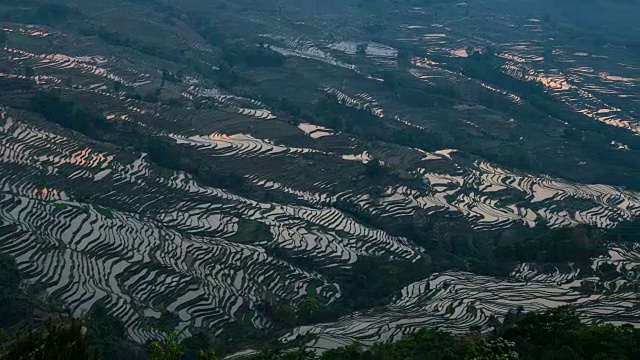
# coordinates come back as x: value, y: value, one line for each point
x: 553, y: 334
x: 16, y: 84
x: 412, y: 92
x: 311, y: 309
x: 628, y: 231
x: 50, y: 13
x: 57, y: 342
x: 39, y: 12
x: 282, y: 105
x: 331, y: 113
x: 12, y: 308
x: 576, y: 245
x: 233, y: 53
x: 170, y: 155
x: 253, y: 56
x: 375, y: 281
x: 68, y: 115
x: 117, y: 39
x: 372, y: 281
x: 337, y: 116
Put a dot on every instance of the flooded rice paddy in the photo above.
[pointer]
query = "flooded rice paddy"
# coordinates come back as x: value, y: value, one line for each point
x: 161, y: 242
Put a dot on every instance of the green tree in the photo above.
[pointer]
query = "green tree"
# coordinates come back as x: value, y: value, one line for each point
x: 308, y: 307
x: 9, y: 277
x: 11, y: 309
x: 353, y: 352
x: 207, y: 355
x: 552, y: 325
x: 59, y: 342
x: 117, y: 86
x: 491, y: 349
x: 169, y: 348
x: 29, y: 72
x: 107, y: 335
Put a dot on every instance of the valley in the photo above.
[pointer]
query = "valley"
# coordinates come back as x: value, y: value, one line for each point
x: 320, y: 172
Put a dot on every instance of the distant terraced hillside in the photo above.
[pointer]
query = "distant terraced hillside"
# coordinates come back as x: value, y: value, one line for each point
x: 194, y: 167
x: 458, y: 301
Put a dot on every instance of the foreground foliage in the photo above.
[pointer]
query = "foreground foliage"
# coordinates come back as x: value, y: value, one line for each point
x: 554, y: 334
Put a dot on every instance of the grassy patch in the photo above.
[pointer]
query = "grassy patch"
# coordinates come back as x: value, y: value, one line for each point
x: 165, y: 173
x: 312, y: 290
x: 60, y: 206
x: 104, y: 212
x: 251, y: 231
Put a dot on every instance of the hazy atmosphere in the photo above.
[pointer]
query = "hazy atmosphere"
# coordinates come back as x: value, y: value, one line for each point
x: 319, y: 179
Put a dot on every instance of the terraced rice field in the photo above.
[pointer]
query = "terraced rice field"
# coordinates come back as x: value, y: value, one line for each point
x: 457, y: 301
x: 90, y: 222
x: 589, y: 82
x: 171, y: 254
x: 475, y: 192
